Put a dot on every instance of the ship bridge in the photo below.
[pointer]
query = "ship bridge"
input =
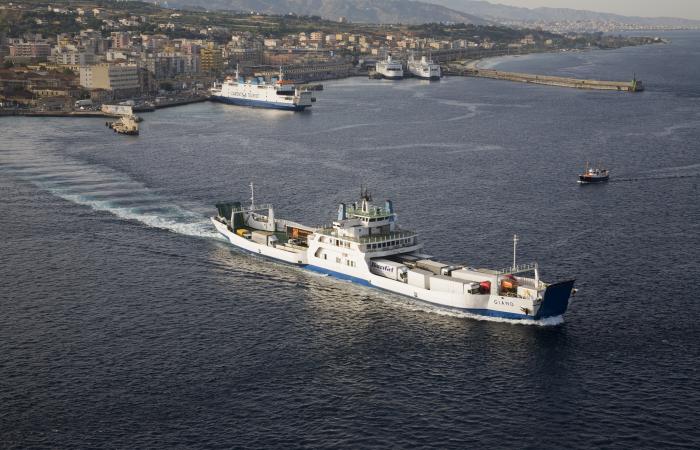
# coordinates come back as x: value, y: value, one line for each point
x: 401, y: 239
x: 368, y: 228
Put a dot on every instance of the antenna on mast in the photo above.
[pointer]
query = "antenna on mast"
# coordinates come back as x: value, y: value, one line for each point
x: 364, y: 193
x: 515, y: 246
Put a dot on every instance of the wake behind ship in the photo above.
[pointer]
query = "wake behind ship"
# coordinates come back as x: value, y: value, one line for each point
x: 365, y: 245
x: 256, y: 92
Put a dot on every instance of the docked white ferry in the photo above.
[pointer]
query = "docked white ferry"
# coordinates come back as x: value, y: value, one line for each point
x: 366, y: 245
x: 277, y: 94
x: 390, y: 69
x: 424, y: 68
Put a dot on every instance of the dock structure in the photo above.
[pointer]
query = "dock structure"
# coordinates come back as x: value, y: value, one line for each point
x: 621, y: 86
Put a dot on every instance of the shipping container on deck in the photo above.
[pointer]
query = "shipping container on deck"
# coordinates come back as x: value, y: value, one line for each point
x: 260, y: 237
x: 419, y: 278
x: 444, y: 283
x: 449, y: 269
x: 473, y: 275
x: 430, y: 265
x: 389, y: 269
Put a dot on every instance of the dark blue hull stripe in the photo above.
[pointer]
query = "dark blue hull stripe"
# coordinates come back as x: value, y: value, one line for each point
x: 340, y: 276
x: 258, y: 103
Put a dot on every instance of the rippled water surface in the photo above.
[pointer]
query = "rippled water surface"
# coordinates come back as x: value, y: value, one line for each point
x: 125, y: 322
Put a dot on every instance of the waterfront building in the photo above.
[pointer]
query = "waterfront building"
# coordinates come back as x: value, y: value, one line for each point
x: 211, y: 60
x: 121, y: 79
x: 310, y: 72
x: 243, y: 57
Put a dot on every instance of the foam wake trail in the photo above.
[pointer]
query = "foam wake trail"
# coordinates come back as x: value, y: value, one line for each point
x: 655, y: 177
x: 104, y: 189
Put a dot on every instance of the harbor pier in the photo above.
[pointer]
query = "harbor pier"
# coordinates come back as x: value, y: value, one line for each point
x: 576, y: 83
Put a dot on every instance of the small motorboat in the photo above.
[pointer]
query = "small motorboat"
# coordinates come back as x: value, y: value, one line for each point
x: 594, y: 175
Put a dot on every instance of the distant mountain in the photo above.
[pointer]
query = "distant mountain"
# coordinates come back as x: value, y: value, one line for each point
x: 501, y: 13
x: 363, y: 11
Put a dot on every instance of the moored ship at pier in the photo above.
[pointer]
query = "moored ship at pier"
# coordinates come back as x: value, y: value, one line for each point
x: 365, y: 245
x: 389, y: 69
x: 424, y: 68
x: 257, y: 92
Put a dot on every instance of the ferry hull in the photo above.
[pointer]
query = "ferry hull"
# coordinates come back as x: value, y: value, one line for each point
x: 259, y: 103
x: 433, y: 78
x: 554, y: 303
x: 289, y: 257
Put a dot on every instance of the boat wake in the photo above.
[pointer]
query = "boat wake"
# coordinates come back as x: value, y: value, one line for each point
x: 104, y: 189
x: 654, y: 177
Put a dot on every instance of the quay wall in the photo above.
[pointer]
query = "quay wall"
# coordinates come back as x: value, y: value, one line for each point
x: 623, y: 86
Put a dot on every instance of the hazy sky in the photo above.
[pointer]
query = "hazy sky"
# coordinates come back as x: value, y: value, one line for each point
x: 688, y: 9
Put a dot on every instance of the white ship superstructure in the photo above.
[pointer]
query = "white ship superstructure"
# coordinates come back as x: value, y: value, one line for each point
x: 366, y: 245
x: 390, y: 69
x: 424, y: 68
x: 277, y: 94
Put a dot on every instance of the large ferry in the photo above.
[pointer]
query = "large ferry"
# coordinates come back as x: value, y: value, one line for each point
x: 277, y: 94
x: 424, y: 68
x: 390, y: 69
x: 365, y: 245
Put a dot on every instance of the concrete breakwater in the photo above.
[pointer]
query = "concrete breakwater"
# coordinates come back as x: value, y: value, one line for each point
x: 32, y: 112
x: 622, y: 86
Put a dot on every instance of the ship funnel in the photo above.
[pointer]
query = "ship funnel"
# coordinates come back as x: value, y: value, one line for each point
x: 341, y: 212
x: 389, y: 206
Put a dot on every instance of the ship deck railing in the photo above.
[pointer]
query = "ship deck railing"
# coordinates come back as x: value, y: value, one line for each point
x: 372, y: 213
x: 373, y: 239
x: 520, y: 268
x: 254, y: 208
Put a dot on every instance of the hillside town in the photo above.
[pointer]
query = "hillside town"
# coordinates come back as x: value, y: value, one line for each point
x: 101, y: 54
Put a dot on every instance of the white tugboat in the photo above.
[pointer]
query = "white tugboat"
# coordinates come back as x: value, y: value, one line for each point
x: 277, y: 94
x: 424, y: 68
x: 390, y: 69
x: 365, y: 245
